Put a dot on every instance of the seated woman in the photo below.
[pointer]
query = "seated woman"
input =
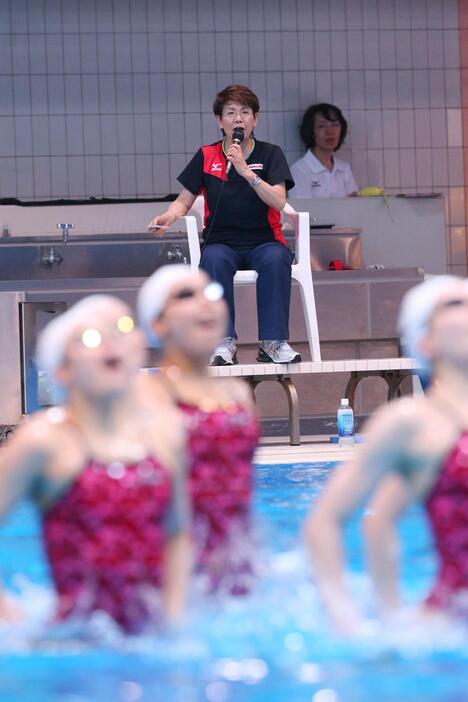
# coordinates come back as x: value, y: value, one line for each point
x: 243, y: 181
x: 105, y: 471
x: 319, y: 173
x: 417, y: 449
x: 188, y: 315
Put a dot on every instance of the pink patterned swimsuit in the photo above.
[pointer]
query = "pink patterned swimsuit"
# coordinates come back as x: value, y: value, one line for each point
x: 447, y: 508
x: 105, y: 536
x: 221, y: 444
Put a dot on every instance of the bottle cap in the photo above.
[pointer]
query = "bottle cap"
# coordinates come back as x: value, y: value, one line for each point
x: 344, y: 401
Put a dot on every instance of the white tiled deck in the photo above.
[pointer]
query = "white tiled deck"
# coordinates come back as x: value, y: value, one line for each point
x: 312, y: 450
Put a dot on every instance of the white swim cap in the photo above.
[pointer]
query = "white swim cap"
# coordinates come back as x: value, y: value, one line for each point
x: 154, y: 292
x: 416, y: 311
x: 53, y: 339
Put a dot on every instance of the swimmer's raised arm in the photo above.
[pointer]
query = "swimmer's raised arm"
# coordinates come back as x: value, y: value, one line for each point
x: 176, y: 209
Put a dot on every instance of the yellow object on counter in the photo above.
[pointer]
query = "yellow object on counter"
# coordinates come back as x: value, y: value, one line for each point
x: 372, y: 191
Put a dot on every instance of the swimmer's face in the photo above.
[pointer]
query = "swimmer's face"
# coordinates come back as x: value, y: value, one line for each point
x: 447, y: 336
x: 194, y: 317
x: 103, y: 356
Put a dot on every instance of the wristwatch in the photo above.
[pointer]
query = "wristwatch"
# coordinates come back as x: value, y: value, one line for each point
x: 255, y: 181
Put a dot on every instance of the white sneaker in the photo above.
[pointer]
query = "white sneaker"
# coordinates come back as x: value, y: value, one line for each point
x: 277, y: 352
x: 225, y: 353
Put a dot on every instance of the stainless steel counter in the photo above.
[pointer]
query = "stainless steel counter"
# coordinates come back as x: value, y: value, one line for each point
x: 86, y: 256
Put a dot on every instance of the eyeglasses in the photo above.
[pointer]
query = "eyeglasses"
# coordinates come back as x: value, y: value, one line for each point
x: 212, y: 292
x: 231, y: 113
x: 91, y: 338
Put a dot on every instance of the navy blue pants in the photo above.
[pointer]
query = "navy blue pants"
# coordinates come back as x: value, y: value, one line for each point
x: 272, y: 261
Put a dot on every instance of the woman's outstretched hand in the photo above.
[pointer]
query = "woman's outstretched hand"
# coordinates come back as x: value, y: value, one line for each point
x: 160, y: 224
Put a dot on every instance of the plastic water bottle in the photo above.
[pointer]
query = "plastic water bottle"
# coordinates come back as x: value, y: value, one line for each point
x: 345, y: 422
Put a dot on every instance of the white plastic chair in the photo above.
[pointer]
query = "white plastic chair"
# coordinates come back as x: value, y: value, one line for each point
x: 300, y: 270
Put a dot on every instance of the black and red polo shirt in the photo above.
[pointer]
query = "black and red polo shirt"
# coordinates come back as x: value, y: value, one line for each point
x: 241, y: 219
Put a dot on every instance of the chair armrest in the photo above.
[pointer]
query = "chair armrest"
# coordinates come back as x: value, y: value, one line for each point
x: 193, y: 240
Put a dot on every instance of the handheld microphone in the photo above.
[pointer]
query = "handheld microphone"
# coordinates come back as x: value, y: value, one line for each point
x: 237, y: 138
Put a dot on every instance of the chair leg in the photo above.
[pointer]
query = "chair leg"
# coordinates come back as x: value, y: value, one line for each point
x: 253, y: 382
x: 417, y: 385
x: 310, y: 316
x: 393, y: 379
x: 350, y: 391
x: 294, y: 414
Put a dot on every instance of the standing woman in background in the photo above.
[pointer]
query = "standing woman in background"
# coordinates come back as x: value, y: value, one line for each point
x: 106, y: 472
x: 319, y: 173
x: 242, y: 227
x: 186, y: 312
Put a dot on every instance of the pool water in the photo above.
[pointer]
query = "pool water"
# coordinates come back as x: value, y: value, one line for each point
x: 273, y: 646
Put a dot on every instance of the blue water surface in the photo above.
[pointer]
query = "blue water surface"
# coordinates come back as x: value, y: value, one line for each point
x: 274, y: 645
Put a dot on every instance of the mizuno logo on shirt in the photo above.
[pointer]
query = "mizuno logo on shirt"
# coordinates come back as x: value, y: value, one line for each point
x: 216, y: 167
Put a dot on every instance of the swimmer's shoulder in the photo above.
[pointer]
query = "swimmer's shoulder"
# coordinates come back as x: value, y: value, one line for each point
x: 238, y: 391
x: 394, y: 431
x: 413, y: 417
x: 150, y: 388
x: 41, y: 431
x: 409, y: 436
x: 43, y: 450
x: 403, y: 416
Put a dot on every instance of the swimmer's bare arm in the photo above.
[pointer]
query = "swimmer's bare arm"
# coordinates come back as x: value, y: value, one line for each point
x: 391, y: 499
x: 177, y: 566
x: 432, y: 437
x: 349, y: 488
x: 178, y: 549
x: 176, y: 209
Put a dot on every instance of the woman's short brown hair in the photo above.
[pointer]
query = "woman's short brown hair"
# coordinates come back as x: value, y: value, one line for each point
x: 236, y: 93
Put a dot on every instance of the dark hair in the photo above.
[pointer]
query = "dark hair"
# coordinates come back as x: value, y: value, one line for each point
x: 330, y: 112
x: 236, y: 93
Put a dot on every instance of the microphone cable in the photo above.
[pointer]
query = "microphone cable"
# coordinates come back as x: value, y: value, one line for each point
x: 208, y: 231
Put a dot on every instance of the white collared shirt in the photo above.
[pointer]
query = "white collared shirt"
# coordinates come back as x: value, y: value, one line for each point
x: 314, y: 180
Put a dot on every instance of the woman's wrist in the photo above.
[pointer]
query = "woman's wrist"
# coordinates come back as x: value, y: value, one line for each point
x: 255, y: 181
x: 174, y: 212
